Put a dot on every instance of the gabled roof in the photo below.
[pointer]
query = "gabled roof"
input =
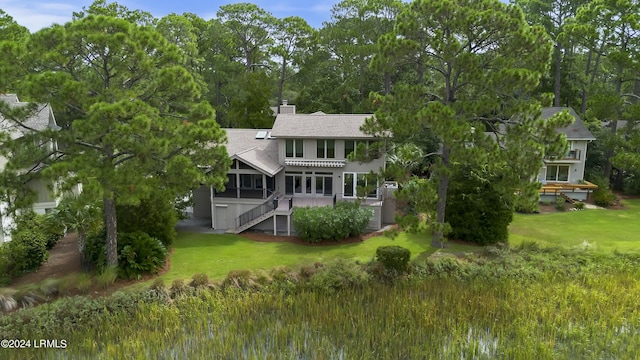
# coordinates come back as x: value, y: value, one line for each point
x: 261, y: 154
x: 320, y: 126
x: 575, y: 131
x: 41, y: 119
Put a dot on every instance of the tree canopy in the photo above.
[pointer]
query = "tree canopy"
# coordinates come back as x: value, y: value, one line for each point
x: 481, y: 61
x: 133, y: 116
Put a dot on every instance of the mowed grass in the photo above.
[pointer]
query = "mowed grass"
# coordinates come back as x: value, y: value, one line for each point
x: 598, y: 229
x: 216, y: 255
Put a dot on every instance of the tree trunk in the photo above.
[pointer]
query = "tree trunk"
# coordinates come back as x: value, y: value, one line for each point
x: 558, y: 75
x: 111, y: 223
x: 443, y: 186
x: 387, y: 83
x: 610, y: 153
x: 82, y: 247
x: 283, y: 70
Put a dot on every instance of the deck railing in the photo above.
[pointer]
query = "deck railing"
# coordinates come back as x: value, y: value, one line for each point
x: 256, y: 212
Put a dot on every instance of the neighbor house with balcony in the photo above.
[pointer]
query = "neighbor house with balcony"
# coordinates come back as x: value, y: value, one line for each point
x: 563, y: 175
x: 42, y: 118
x: 302, y: 161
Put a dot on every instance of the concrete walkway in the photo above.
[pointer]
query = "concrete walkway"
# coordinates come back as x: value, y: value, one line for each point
x: 196, y: 225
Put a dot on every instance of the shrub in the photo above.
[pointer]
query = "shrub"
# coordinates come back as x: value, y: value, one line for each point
x: 338, y: 274
x: 178, y: 288
x: 579, y: 205
x: 138, y: 253
x: 325, y: 223
x: 603, y: 196
x: 242, y: 279
x: 27, y: 249
x: 476, y: 210
x: 559, y: 205
x: 526, y: 202
x: 199, y: 280
x: 95, y: 250
x: 155, y: 216
x: 393, y: 257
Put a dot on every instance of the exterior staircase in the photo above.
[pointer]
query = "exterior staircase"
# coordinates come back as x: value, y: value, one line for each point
x: 254, y: 222
x: 567, y: 198
x: 256, y: 215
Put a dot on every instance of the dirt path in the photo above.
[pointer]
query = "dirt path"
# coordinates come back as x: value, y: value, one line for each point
x: 64, y: 259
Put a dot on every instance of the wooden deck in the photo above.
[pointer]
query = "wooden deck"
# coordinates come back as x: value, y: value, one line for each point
x: 555, y: 188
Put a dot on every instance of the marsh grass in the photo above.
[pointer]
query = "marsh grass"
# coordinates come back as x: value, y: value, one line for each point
x: 524, y: 303
x: 106, y: 278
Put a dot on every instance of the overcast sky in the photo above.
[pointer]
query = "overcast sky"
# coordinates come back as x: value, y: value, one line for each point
x: 38, y: 14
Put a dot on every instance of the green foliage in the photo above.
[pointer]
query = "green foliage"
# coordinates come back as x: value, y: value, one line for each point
x: 316, y: 224
x: 579, y: 205
x: 477, y: 210
x: 27, y: 249
x: 559, y: 205
x: 199, y: 281
x: 107, y: 277
x: 138, y: 254
x: 394, y: 257
x: 338, y: 274
x: 526, y: 201
x: 155, y: 216
x: 146, y: 127
x: 493, y: 88
x: 603, y: 196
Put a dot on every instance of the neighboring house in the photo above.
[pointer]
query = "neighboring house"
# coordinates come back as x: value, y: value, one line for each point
x: 564, y: 176
x: 43, y: 118
x: 301, y: 161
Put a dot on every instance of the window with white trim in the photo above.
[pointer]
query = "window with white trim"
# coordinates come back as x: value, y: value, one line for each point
x: 350, y: 146
x: 354, y: 181
x: 557, y: 173
x: 326, y: 149
x: 294, y: 148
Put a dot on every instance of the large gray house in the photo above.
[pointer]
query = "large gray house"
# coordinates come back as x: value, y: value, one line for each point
x: 301, y: 161
x: 564, y: 176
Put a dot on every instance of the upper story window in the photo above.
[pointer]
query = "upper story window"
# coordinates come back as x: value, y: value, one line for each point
x: 326, y: 149
x: 350, y: 146
x: 294, y: 148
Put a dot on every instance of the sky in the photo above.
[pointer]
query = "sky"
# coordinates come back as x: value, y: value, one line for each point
x: 38, y: 14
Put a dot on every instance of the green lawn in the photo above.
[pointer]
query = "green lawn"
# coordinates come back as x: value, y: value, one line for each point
x: 216, y: 255
x: 601, y: 230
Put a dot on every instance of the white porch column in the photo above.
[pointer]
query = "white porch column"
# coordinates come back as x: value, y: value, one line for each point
x: 238, y: 186
x: 288, y: 225
x: 275, y: 225
x: 264, y: 186
x: 213, y: 208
